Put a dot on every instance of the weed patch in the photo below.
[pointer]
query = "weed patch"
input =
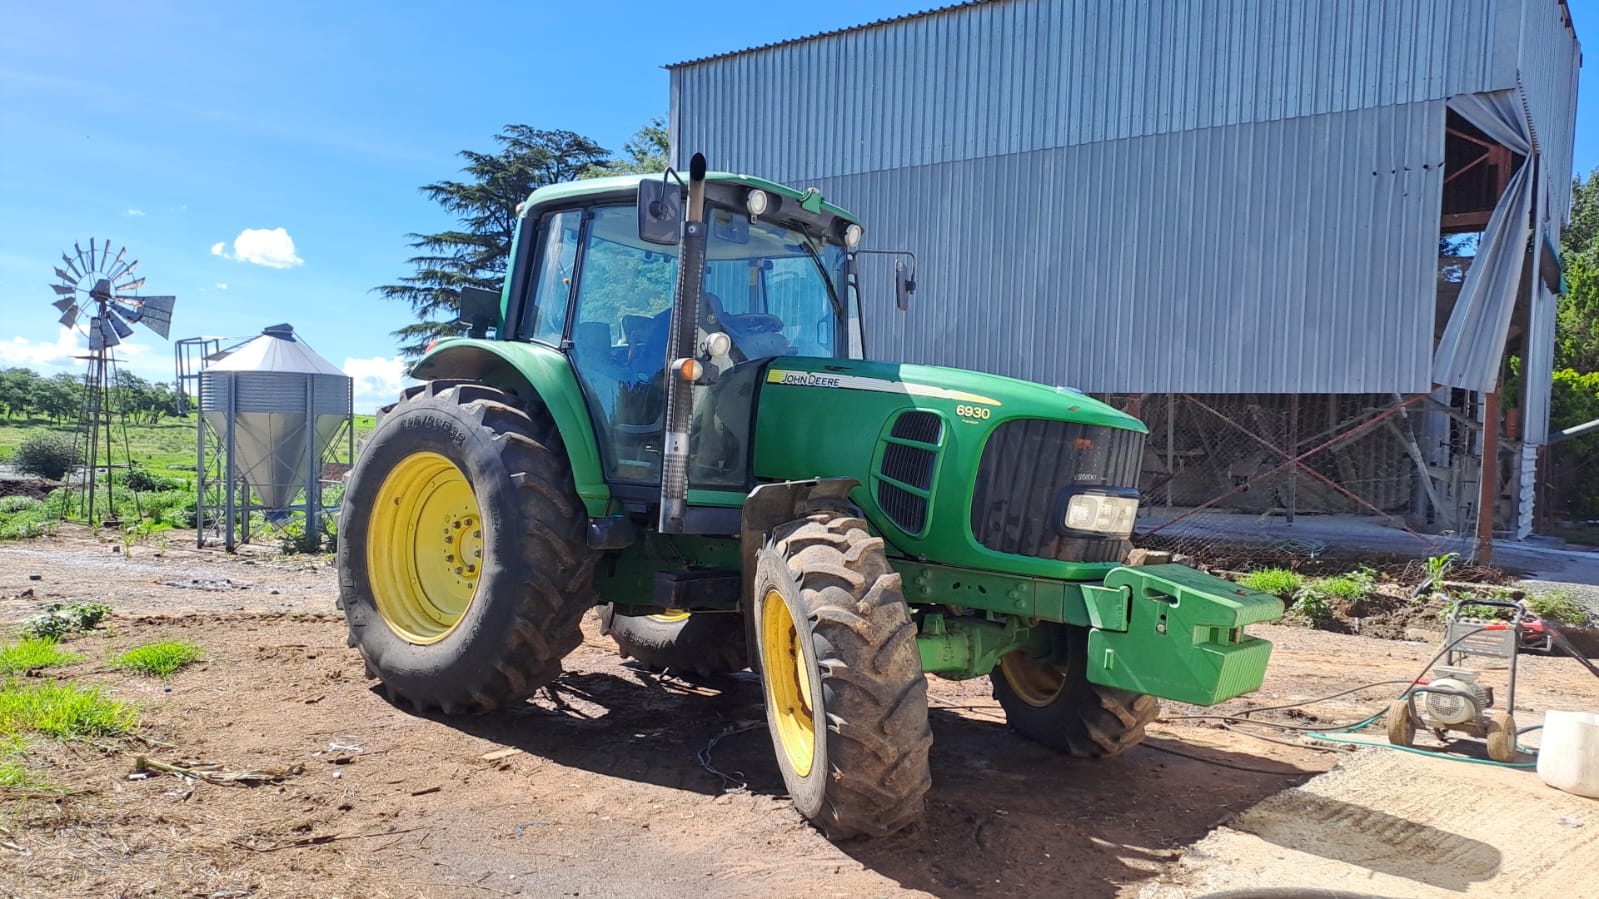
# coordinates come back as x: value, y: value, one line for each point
x: 1559, y: 606
x: 33, y: 653
x: 1278, y: 581
x: 63, y: 711
x: 158, y: 659
x: 58, y: 621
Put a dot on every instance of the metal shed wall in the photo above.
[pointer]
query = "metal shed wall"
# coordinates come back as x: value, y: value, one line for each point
x: 1213, y: 196
x: 996, y: 78
x: 1099, y: 270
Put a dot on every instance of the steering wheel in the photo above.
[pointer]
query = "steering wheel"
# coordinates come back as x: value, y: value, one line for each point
x: 753, y: 323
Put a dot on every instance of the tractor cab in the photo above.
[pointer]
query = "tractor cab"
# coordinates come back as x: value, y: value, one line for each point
x: 591, y: 280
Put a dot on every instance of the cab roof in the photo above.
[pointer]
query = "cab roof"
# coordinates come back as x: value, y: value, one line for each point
x: 590, y: 187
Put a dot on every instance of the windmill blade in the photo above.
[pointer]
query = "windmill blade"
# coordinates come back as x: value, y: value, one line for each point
x: 69, y: 319
x: 63, y: 275
x: 64, y: 303
x: 79, y: 251
x: 108, y: 332
x: 97, y: 335
x: 118, y: 325
x: 131, y: 313
x: 112, y: 272
x: 129, y: 287
x: 70, y: 265
x: 63, y: 290
x: 155, y: 313
x: 92, y: 263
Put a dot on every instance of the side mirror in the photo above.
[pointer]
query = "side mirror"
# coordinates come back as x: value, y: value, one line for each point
x: 904, y: 285
x: 660, y: 212
x: 480, y: 309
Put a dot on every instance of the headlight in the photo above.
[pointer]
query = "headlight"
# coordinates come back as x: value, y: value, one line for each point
x: 1100, y: 513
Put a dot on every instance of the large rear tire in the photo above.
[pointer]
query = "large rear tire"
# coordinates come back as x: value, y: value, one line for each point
x: 463, y: 564
x: 1058, y: 706
x: 701, y: 643
x: 846, y: 700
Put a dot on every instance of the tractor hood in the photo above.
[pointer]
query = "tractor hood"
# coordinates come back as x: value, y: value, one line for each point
x: 954, y: 466
x: 966, y: 394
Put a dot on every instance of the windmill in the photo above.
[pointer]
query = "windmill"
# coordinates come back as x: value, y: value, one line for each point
x: 96, y: 294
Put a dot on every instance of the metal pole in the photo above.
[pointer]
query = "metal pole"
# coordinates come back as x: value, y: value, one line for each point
x: 1171, y: 444
x: 1488, y: 483
x: 1293, y: 446
x: 230, y: 509
x: 199, y: 476
x: 313, y: 462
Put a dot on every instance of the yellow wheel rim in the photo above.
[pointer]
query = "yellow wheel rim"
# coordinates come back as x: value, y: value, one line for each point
x: 1037, y: 685
x: 425, y: 550
x: 786, y: 668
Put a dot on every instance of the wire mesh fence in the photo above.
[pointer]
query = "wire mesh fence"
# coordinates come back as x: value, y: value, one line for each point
x: 1291, y: 474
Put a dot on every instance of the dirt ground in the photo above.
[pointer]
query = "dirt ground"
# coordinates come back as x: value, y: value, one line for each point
x: 605, y: 785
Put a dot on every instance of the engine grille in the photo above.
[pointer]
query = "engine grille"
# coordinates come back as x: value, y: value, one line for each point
x: 1026, y: 465
x: 910, y: 464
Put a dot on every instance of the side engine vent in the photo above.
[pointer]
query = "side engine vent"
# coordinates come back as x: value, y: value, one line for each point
x: 922, y: 427
x: 903, y: 507
x: 904, y: 478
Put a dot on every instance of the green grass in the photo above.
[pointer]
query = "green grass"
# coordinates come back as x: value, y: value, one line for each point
x: 64, y: 711
x: 1558, y: 605
x: 158, y: 659
x: 1352, y: 586
x: 32, y: 653
x: 165, y: 449
x: 1278, y: 581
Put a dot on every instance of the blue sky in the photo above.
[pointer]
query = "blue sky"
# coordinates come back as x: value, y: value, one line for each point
x: 173, y: 127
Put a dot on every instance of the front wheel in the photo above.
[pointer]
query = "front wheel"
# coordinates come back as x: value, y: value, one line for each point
x: 701, y: 643
x: 464, y: 569
x: 1053, y: 702
x: 846, y: 700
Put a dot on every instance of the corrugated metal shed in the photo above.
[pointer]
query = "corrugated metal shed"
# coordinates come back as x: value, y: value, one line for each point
x: 1211, y: 196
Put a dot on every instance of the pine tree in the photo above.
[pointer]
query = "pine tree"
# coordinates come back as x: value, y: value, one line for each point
x: 484, y: 203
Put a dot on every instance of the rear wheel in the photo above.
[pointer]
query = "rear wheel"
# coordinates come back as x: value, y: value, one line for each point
x: 1501, y: 736
x: 1055, y: 704
x: 463, y: 563
x: 693, y: 642
x: 846, y: 700
x: 1401, y: 726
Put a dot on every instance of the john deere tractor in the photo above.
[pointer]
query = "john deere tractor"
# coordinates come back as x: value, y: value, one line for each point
x: 673, y: 418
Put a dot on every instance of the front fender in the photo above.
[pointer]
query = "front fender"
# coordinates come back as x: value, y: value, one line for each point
x: 529, y: 370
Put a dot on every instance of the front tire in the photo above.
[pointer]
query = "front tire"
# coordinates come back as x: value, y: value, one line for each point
x: 702, y: 643
x: 846, y: 700
x: 1058, y: 706
x: 463, y: 565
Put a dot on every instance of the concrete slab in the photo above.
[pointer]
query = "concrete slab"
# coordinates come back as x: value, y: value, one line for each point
x: 1392, y: 824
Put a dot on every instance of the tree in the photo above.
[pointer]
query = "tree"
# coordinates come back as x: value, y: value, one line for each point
x: 484, y: 203
x: 647, y: 152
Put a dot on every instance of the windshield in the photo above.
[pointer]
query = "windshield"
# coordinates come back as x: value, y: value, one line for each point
x: 775, y: 290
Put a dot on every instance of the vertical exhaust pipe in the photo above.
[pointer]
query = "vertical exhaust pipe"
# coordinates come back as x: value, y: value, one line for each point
x: 680, y: 352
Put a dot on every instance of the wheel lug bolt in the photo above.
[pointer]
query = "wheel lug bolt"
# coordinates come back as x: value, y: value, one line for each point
x: 477, y: 553
x: 449, y: 558
x: 477, y: 534
x: 448, y: 539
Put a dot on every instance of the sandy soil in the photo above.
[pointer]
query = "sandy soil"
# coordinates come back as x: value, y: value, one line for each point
x: 600, y: 786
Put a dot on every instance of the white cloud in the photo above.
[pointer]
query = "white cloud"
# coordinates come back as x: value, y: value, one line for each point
x: 61, y: 355
x: 271, y: 247
x: 222, y: 285
x: 134, y: 212
x: 38, y: 354
x: 378, y: 381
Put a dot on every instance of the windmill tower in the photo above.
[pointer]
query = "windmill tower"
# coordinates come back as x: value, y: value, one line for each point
x: 97, y: 294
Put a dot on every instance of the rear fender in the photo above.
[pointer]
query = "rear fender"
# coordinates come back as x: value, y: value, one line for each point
x: 533, y: 373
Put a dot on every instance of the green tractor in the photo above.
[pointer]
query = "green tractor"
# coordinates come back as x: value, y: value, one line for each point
x: 674, y: 419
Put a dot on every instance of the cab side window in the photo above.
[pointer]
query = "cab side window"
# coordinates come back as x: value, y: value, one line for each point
x: 552, y: 277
